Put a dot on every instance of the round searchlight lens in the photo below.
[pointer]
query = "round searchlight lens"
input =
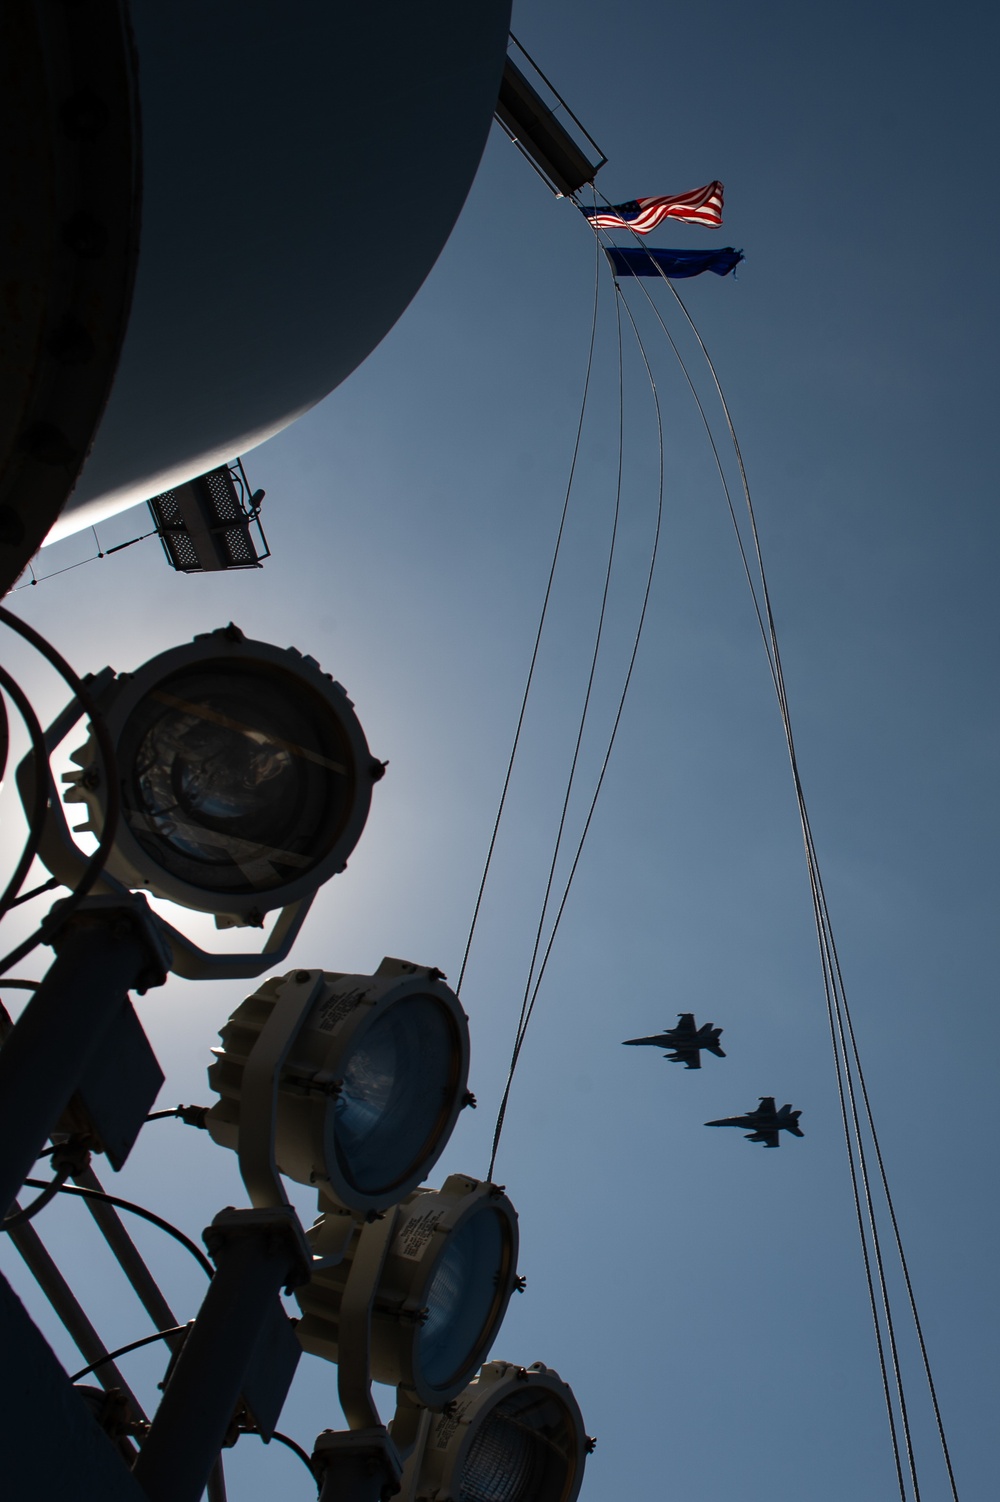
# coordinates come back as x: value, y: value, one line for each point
x: 448, y: 1271
x: 514, y: 1434
x: 243, y: 772
x: 399, y: 1084
x: 525, y: 1451
x: 465, y: 1299
x: 240, y: 782
x: 372, y: 1078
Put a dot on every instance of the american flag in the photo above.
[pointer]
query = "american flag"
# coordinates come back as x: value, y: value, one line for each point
x: 701, y: 206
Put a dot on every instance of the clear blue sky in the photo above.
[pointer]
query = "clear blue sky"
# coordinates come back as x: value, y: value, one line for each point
x: 704, y: 1298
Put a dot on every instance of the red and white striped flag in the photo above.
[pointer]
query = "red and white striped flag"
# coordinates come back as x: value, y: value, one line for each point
x: 701, y: 206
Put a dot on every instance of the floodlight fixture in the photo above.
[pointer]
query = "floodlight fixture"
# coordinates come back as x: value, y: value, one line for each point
x: 515, y: 1434
x: 352, y: 1083
x: 435, y: 1278
x: 245, y: 776
x: 211, y: 522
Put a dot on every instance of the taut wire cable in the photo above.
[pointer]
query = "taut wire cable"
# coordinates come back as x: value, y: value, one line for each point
x: 68, y: 569
x: 718, y: 464
x: 557, y: 844
x: 538, y: 634
x: 902, y: 1261
x: 836, y: 997
x: 527, y: 1014
x: 847, y: 1057
x: 839, y: 1014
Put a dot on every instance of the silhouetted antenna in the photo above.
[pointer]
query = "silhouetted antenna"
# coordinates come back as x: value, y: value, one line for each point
x: 562, y: 156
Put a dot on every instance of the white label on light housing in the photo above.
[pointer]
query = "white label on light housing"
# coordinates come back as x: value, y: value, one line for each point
x: 416, y: 1234
x: 449, y: 1422
x: 334, y: 1009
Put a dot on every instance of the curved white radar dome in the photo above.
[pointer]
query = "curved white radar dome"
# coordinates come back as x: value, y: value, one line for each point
x: 515, y: 1434
x: 369, y: 1087
x: 302, y: 167
x: 447, y: 1278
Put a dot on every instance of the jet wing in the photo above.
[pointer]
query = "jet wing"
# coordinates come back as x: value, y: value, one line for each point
x: 769, y: 1139
x: 689, y: 1056
x: 766, y: 1107
x: 685, y: 1023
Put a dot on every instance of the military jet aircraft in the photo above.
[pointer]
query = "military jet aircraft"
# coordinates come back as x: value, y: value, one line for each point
x: 686, y: 1040
x: 765, y: 1122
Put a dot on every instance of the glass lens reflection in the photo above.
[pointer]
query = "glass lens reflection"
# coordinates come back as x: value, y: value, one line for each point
x: 240, y: 780
x: 399, y: 1087
x: 523, y: 1452
x: 463, y: 1301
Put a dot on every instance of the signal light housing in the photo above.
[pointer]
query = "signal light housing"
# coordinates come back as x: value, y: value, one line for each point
x: 366, y: 1077
x: 514, y: 1435
x: 448, y: 1273
x: 245, y: 777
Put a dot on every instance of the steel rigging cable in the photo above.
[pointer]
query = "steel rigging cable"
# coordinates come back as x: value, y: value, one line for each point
x: 532, y: 989
x: 778, y: 681
x: 841, y: 1009
x: 846, y: 1053
x: 538, y: 634
x: 526, y: 999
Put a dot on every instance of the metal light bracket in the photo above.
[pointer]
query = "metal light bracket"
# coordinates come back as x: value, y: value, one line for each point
x: 255, y: 1140
x: 61, y: 855
x: 357, y: 1465
x: 354, y: 1365
x: 435, y: 1464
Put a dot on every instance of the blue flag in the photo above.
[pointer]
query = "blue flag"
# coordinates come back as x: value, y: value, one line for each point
x: 638, y: 261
